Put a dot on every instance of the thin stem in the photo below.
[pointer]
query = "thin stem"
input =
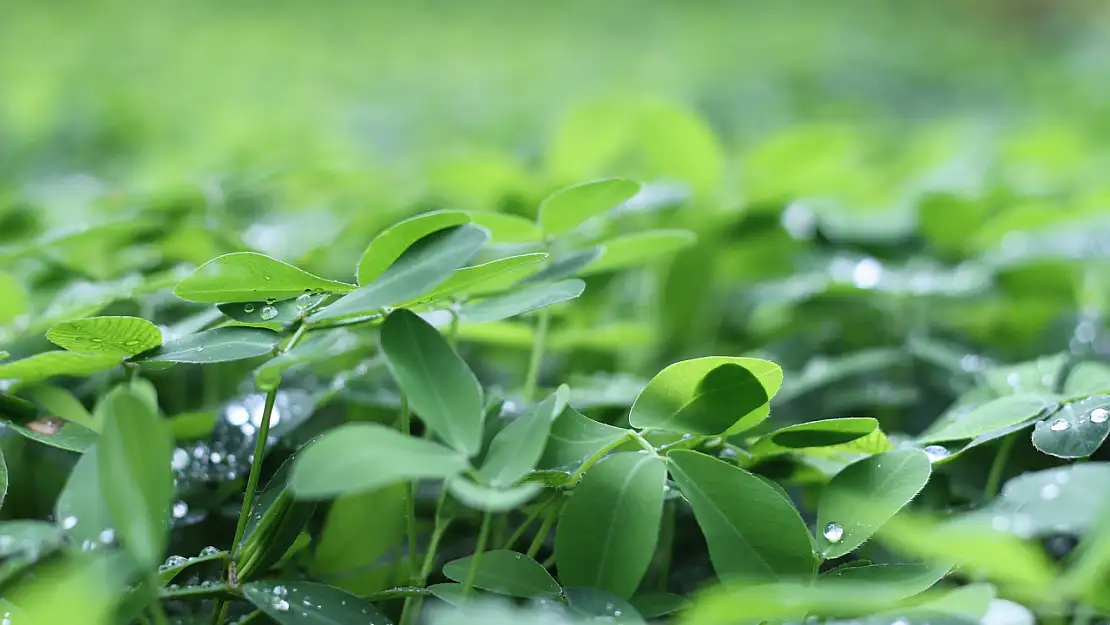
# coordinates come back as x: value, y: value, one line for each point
x: 410, y: 495
x: 483, y: 536
x: 599, y: 454
x: 998, y: 467
x: 541, y: 535
x: 524, y: 526
x: 539, y: 344
x: 256, y: 468
x: 411, y: 609
x: 666, y: 545
x: 643, y: 442
x: 157, y: 612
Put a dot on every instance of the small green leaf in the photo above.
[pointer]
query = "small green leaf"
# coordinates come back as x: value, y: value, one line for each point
x: 575, y: 437
x: 135, y: 478
x: 886, y: 482
x: 297, y: 603
x: 251, y: 277
x: 440, y: 388
x: 609, y: 527
x: 565, y: 266
x: 766, y: 546
x: 995, y: 415
x: 392, y: 242
x: 1077, y: 430
x: 507, y: 228
x: 284, y: 311
x: 492, y: 277
x: 115, y: 336
x: 423, y: 266
x: 518, y: 447
x: 167, y: 573
x: 824, y: 433
x: 640, y: 248
x: 216, y: 345
x: 359, y: 457
x: 505, y: 573
x: 708, y: 395
x: 81, y: 507
x: 492, y: 499
x: 568, y: 208
x: 656, y: 604
x: 519, y: 302
x: 49, y: 364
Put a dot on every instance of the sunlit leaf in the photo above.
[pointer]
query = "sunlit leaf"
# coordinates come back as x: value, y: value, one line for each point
x: 492, y: 277
x: 824, y: 433
x: 568, y: 208
x: 115, y: 336
x: 392, y: 242
x: 506, y: 227
x: 49, y: 364
x: 251, y: 277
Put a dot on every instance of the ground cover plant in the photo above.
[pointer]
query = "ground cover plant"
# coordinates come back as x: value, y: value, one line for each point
x: 706, y: 359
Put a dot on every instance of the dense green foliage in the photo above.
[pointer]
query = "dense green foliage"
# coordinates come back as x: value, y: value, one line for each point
x: 716, y: 331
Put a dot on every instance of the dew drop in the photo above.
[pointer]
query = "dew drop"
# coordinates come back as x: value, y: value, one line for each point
x: 1099, y: 415
x: 180, y: 509
x: 304, y: 301
x: 1000, y: 524
x: 268, y: 313
x: 267, y: 277
x: 180, y: 459
x: 1050, y: 492
x: 281, y: 605
x: 200, y: 349
x: 175, y: 561
x: 208, y: 551
x: 69, y: 522
x: 936, y: 452
x: 833, y: 532
x: 248, y: 308
x: 1059, y: 425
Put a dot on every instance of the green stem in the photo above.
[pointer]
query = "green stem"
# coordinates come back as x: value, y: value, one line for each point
x: 666, y: 545
x: 483, y: 536
x: 599, y: 454
x: 998, y: 467
x: 156, y: 611
x: 410, y: 612
x: 539, y: 344
x: 410, y: 495
x: 541, y: 535
x: 524, y: 526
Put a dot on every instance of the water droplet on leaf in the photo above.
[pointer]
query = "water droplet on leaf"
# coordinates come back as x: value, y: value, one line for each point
x: 1099, y: 415
x: 248, y: 308
x: 833, y: 532
x: 1059, y: 425
x: 936, y: 452
x: 304, y: 301
x: 1050, y: 492
x: 268, y: 313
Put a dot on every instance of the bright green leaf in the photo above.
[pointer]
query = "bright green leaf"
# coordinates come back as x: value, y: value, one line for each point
x: 565, y: 266
x: 49, y: 364
x: 518, y: 447
x: 506, y: 227
x: 251, y: 277
x: 657, y: 604
x: 1077, y: 430
x: 609, y: 526
x: 13, y: 299
x: 771, y: 544
x: 640, y: 248
x: 519, y: 302
x: 995, y: 415
x: 297, y: 603
x: 216, y: 345
x: 505, y: 573
x: 568, y: 208
x: 440, y: 388
x: 360, y: 457
x: 707, y: 395
x: 391, y: 243
x: 492, y: 277
x: 114, y: 336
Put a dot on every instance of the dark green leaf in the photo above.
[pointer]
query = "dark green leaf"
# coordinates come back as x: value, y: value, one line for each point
x: 575, y: 437
x: 113, y: 336
x: 273, y: 526
x: 440, y: 388
x: 56, y: 432
x: 429, y: 262
x: 825, y: 433
x: 284, y: 311
x: 134, y: 468
x: 251, y: 277
x: 505, y: 573
x: 1077, y: 430
x: 568, y: 208
x: 521, y: 301
x: 216, y: 345
x: 316, y: 347
x: 518, y: 447
x: 609, y: 527
x: 708, y: 395
x: 640, y: 248
x: 359, y: 457
x: 766, y: 546
x: 297, y: 603
x: 392, y: 242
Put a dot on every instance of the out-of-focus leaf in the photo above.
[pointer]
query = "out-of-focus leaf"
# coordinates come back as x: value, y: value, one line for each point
x: 1064, y: 500
x: 507, y: 228
x: 568, y: 208
x: 49, y: 364
x: 995, y: 415
x: 492, y: 277
x: 634, y: 250
x: 81, y: 508
x: 521, y: 301
x: 492, y: 498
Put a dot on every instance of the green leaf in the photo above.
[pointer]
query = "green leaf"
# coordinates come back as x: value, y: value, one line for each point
x: 115, y: 336
x: 640, y: 248
x: 440, y: 388
x: 575, y: 437
x: 507, y: 228
x: 359, y: 528
x: 135, y: 478
x: 13, y: 299
x: 297, y: 603
x: 167, y: 573
x: 824, y: 433
x: 422, y: 267
x: 505, y: 573
x: 215, y: 345
x: 893, y: 582
x: 3, y: 478
x: 59, y: 402
x: 599, y: 606
x: 275, y: 522
x: 492, y: 499
x: 707, y: 395
x: 251, y: 277
x: 886, y: 483
x: 1036, y: 504
x: 517, y: 448
x: 49, y: 364
x: 565, y: 265
x: 284, y: 311
x: 392, y: 242
x: 81, y: 507
x: 315, y: 348
x: 609, y: 526
x: 29, y: 537
x: 1077, y: 430
x: 772, y: 544
x: 492, y: 277
x: 566, y: 209
x: 994, y: 415
x: 971, y: 601
x: 360, y: 457
x: 657, y: 604
x: 522, y: 301
x: 52, y: 431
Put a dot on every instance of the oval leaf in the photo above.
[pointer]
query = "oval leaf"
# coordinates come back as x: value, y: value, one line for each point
x: 568, y: 208
x: 49, y: 364
x: 251, y: 277
x: 505, y: 573
x: 296, y: 603
x: 215, y: 345
x: 763, y: 546
x: 575, y: 437
x: 422, y: 267
x: 635, y: 250
x: 284, y: 311
x: 824, y: 433
x: 517, y: 448
x: 1077, y: 430
x: 440, y: 388
x: 990, y: 417
x: 609, y: 527
x: 114, y: 336
x: 521, y: 301
x: 359, y: 457
x: 492, y: 277
x: 492, y: 499
x: 81, y: 508
x: 865, y: 495
x: 1064, y: 500
x: 507, y: 228
x: 392, y: 242
x: 135, y: 478
x: 707, y: 395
